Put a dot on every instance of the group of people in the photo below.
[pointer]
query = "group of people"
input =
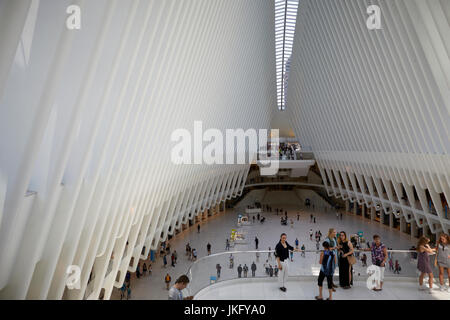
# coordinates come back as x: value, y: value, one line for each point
x: 270, y: 270
x: 144, y: 270
x: 442, y: 260
x: 191, y: 252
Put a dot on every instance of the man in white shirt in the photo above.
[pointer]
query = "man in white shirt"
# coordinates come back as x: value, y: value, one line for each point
x: 175, y: 292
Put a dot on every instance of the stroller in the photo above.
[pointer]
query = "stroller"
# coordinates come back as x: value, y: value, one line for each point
x: 283, y: 222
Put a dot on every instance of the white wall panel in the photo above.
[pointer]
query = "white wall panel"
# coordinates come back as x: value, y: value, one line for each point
x: 86, y: 126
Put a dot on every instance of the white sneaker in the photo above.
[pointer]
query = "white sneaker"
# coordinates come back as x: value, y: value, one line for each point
x: 430, y: 290
x: 448, y: 290
x: 422, y: 287
x: 443, y: 288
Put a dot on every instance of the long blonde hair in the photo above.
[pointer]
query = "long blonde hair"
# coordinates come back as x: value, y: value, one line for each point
x: 330, y: 231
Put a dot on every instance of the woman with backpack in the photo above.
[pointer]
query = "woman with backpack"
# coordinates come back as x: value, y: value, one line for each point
x: 327, y: 261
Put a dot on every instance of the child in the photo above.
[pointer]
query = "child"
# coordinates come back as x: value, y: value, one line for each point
x: 423, y: 263
x: 391, y: 265
x: 326, y: 270
x: 397, y: 267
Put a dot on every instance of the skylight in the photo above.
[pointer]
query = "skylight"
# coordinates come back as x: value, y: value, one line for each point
x: 285, y: 19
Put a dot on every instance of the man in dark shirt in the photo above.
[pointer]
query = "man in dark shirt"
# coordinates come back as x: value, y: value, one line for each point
x: 282, y: 255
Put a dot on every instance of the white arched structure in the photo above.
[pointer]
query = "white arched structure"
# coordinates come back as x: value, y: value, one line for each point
x: 86, y: 118
x: 374, y: 104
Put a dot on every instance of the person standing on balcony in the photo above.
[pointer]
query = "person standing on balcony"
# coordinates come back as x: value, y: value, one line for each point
x: 332, y: 241
x: 245, y: 269
x: 175, y: 293
x: 423, y: 263
x: 327, y: 262
x: 443, y: 259
x: 239, y: 270
x: 218, y: 268
x: 282, y: 257
x: 379, y: 258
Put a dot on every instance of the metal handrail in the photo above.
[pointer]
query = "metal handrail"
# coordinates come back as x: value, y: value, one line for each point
x: 189, y: 273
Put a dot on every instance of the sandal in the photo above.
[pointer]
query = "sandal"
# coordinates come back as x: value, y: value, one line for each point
x: 317, y: 298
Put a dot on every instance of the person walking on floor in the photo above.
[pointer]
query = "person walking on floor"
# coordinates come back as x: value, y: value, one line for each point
x: 173, y: 260
x: 122, y: 291
x: 218, y: 268
x: 256, y: 243
x: 327, y: 262
x: 296, y: 243
x: 208, y: 247
x: 397, y: 267
x: 165, y: 260
x: 167, y: 279
x: 138, y: 271
x: 227, y: 245
x: 245, y: 269
x: 269, y: 255
x: 423, y: 263
x: 144, y: 269
x: 239, y: 270
x: 282, y: 256
x: 270, y: 270
x: 253, y: 268
x: 310, y: 234
x: 198, y: 228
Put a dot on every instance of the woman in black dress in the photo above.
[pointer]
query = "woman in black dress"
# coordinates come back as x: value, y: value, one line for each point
x: 345, y: 268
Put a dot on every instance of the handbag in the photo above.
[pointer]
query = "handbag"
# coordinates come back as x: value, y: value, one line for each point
x: 351, y: 259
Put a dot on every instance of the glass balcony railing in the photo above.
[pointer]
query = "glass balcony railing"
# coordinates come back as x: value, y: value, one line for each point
x: 203, y: 272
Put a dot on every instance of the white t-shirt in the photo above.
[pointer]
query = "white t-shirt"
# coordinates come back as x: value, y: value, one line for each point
x: 175, y: 294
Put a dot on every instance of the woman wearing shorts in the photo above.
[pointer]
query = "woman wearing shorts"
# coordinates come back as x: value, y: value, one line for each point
x: 442, y: 260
